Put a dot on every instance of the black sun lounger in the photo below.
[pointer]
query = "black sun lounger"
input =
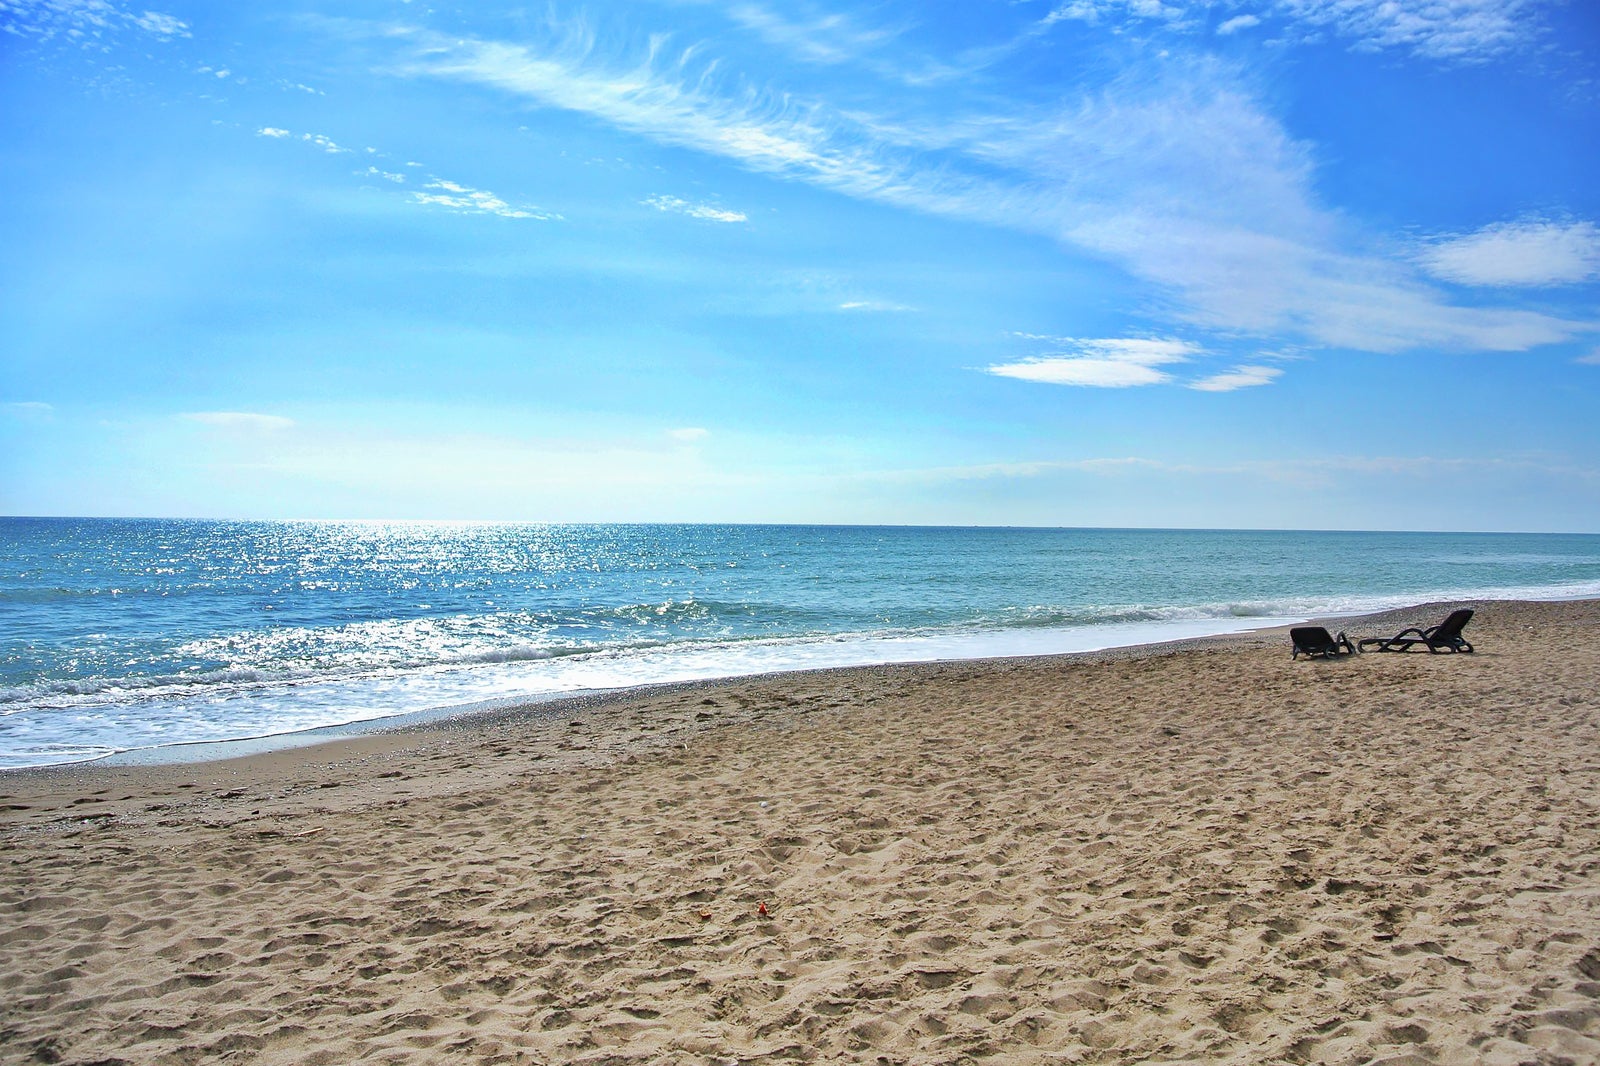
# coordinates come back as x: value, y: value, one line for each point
x: 1314, y: 640
x: 1446, y: 636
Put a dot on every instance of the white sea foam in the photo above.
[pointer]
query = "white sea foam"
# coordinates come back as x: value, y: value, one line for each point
x: 219, y: 715
x: 239, y: 703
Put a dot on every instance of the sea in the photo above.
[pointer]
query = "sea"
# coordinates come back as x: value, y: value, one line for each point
x: 145, y: 639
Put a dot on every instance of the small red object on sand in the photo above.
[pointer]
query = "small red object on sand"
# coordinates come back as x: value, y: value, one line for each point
x: 761, y: 909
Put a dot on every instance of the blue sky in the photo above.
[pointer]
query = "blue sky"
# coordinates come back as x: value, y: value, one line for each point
x: 1240, y: 263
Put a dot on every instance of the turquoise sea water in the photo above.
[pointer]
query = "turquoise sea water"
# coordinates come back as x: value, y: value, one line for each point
x: 132, y: 634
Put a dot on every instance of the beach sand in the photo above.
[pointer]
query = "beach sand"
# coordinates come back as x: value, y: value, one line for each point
x: 1204, y: 853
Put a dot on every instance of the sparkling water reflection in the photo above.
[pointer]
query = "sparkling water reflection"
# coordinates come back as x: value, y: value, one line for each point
x: 127, y: 633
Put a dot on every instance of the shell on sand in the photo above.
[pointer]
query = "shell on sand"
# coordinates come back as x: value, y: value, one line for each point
x: 1204, y: 853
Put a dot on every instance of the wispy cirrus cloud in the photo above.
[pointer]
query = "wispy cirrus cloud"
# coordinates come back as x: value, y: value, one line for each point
x: 1091, y: 373
x: 325, y: 143
x: 1529, y: 252
x: 656, y: 94
x: 1462, y: 30
x: 161, y: 25
x: 1240, y: 377
x: 835, y: 38
x: 1455, y: 31
x: 386, y: 175
x: 28, y: 410
x: 1093, y: 11
x: 816, y: 36
x: 438, y: 192
x: 706, y: 212
x: 84, y: 20
x: 460, y: 197
x: 1183, y: 179
x: 1111, y: 363
x: 245, y: 420
x: 874, y: 306
x: 1176, y: 173
x: 316, y: 140
x: 1126, y: 362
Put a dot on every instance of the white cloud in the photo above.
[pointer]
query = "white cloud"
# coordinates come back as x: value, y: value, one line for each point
x: 161, y: 25
x: 465, y: 198
x: 659, y: 96
x: 1530, y: 252
x: 834, y: 38
x: 1077, y: 11
x: 828, y: 38
x: 1447, y: 30
x: 689, y: 434
x: 1096, y: 10
x: 1187, y: 183
x: 1111, y: 363
x: 386, y: 175
x: 1592, y: 359
x: 1463, y: 30
x: 701, y: 211
x: 83, y: 20
x: 323, y: 142
x: 1140, y: 349
x: 28, y: 410
x: 873, y: 305
x: 1098, y: 373
x: 1237, y: 23
x: 1242, y: 377
x: 45, y: 18
x: 247, y: 420
x: 1283, y: 277
x: 316, y: 140
x: 1176, y: 173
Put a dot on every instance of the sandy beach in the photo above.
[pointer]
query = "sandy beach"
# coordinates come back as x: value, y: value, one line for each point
x: 1195, y: 853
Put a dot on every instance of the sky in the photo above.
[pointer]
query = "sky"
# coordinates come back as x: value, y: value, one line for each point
x: 1328, y: 264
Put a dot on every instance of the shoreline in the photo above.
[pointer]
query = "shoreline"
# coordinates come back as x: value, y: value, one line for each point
x: 1193, y: 852
x: 750, y: 659
x: 622, y: 710
x: 214, y: 750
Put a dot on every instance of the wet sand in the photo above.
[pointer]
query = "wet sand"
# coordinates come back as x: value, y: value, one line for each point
x: 1202, y: 853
